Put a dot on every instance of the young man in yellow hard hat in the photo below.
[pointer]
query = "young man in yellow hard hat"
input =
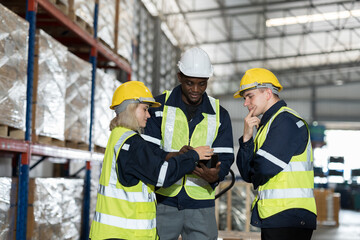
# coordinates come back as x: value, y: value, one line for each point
x: 278, y: 161
x: 126, y: 202
x: 189, y: 118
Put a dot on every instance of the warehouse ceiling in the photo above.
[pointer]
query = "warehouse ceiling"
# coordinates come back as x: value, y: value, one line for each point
x: 305, y: 43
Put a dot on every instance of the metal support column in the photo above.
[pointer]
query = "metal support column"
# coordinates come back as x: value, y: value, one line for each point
x: 87, y: 181
x: 23, y: 185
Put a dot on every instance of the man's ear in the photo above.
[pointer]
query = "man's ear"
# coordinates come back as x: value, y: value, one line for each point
x: 269, y: 94
x: 179, y: 76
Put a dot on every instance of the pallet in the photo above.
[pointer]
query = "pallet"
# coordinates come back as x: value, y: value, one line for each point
x: 49, y: 141
x: 99, y: 149
x: 80, y: 22
x: 77, y: 145
x: 11, y: 132
x: 61, y: 6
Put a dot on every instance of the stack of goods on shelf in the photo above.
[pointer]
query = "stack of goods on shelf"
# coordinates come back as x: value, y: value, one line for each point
x: 54, y: 208
x: 50, y: 76
x: 144, y: 57
x: 77, y: 102
x: 82, y: 12
x: 116, y: 31
x: 105, y: 88
x: 7, y: 211
x: 125, y: 32
x: 13, y: 73
x: 106, y: 23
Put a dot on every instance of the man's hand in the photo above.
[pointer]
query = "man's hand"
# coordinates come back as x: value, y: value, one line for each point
x: 210, y: 175
x: 250, y: 122
x: 184, y: 149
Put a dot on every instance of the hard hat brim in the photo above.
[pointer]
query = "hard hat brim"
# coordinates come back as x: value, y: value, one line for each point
x: 237, y: 94
x: 152, y: 103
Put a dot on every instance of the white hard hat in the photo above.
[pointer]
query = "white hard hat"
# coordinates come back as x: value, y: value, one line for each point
x: 195, y: 63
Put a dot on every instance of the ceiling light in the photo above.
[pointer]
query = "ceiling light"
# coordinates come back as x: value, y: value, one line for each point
x: 311, y: 18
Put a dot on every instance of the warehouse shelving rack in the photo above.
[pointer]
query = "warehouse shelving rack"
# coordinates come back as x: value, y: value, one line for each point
x: 25, y: 148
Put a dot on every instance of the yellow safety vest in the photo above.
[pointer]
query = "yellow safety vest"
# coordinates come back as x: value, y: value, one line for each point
x: 175, y: 134
x: 293, y: 186
x: 122, y: 212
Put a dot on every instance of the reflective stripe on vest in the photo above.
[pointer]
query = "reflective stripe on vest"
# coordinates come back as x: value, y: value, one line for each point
x: 293, y: 186
x: 175, y: 134
x: 113, y: 218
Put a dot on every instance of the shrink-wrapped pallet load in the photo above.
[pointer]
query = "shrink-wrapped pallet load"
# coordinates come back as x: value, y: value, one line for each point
x: 13, y: 68
x: 78, y: 93
x: 105, y: 88
x: 50, y: 76
x: 106, y: 26
x: 125, y: 29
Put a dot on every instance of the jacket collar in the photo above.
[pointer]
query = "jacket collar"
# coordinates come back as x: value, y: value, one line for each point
x: 271, y: 111
x: 175, y: 100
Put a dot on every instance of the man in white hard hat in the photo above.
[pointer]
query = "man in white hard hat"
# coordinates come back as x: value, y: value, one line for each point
x: 189, y: 118
x: 278, y: 161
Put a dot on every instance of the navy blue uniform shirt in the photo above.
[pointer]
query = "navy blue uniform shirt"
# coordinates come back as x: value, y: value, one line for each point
x: 223, y: 140
x: 136, y: 161
x: 284, y: 140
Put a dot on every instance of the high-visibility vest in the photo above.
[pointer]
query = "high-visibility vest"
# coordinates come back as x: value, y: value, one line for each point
x: 293, y: 186
x: 175, y: 134
x: 122, y: 212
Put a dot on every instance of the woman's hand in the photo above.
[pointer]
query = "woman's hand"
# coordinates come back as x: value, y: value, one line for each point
x: 204, y: 152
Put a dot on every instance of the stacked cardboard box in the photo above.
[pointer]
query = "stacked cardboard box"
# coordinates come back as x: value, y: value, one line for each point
x: 328, y: 206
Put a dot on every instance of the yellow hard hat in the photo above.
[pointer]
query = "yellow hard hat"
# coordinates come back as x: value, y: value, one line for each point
x: 258, y: 78
x: 133, y: 90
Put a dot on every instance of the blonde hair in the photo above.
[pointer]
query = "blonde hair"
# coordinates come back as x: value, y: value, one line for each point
x: 126, y: 119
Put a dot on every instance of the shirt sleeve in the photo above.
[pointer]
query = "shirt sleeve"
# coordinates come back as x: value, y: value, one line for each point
x: 244, y: 159
x: 136, y: 161
x: 287, y: 137
x: 223, y: 144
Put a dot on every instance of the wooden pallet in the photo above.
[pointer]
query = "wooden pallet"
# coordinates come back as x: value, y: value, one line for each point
x: 49, y: 141
x: 11, y: 132
x: 77, y: 145
x: 61, y: 6
x: 80, y: 22
x: 99, y: 149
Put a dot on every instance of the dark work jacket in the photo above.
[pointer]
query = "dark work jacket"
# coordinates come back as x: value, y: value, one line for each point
x: 224, y: 139
x: 284, y: 140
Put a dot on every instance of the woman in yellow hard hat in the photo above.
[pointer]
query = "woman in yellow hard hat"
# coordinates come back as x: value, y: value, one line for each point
x: 126, y: 204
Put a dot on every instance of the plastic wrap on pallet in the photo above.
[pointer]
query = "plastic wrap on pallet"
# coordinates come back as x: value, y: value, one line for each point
x: 238, y: 210
x: 5, y: 208
x: 126, y: 25
x: 14, y: 32
x: 57, y: 208
x: 78, y: 93
x: 84, y: 9
x: 50, y: 100
x: 106, y: 24
x: 95, y: 176
x: 105, y: 87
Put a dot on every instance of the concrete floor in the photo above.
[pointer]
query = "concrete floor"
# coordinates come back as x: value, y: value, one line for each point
x: 349, y: 228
